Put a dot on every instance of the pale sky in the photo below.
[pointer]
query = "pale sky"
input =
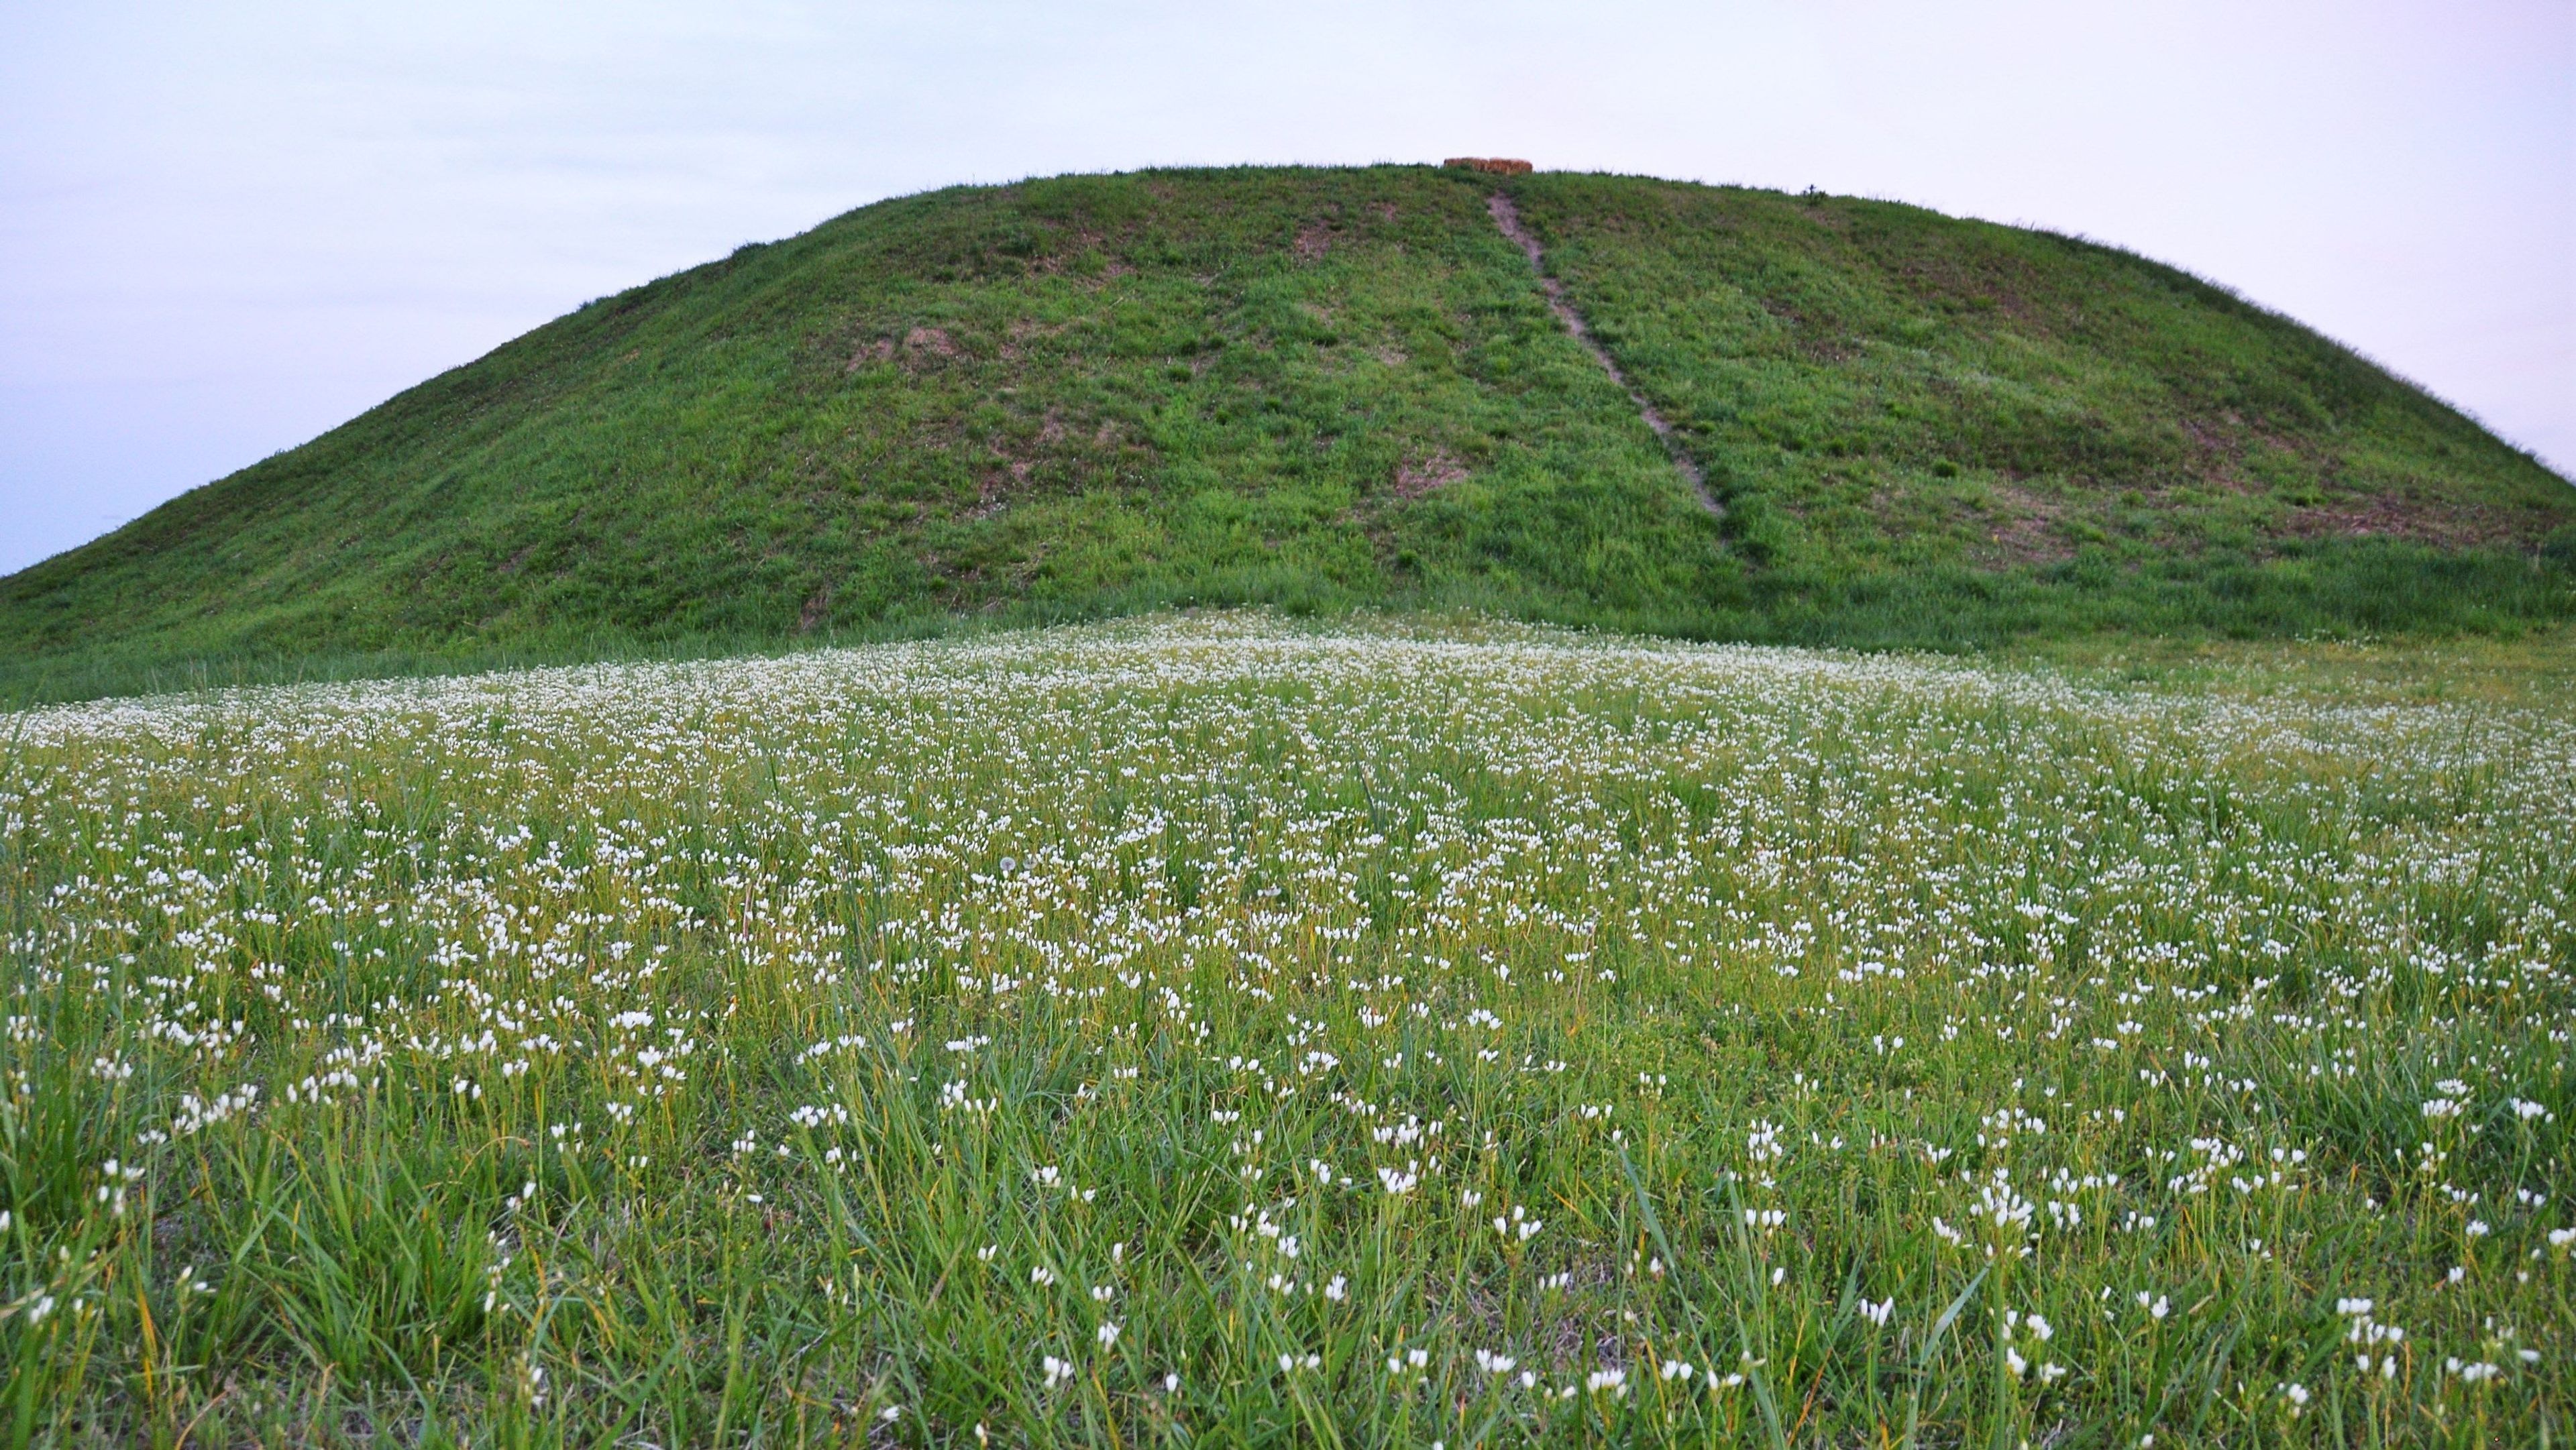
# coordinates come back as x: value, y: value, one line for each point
x: 226, y: 227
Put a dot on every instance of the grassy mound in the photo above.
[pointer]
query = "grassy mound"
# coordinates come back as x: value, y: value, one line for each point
x: 1342, y: 387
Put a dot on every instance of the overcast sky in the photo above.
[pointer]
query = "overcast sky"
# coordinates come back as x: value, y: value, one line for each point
x: 226, y: 227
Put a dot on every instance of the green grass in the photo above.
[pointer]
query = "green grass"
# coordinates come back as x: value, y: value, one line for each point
x: 1874, y: 387
x: 1323, y: 390
x: 812, y: 1049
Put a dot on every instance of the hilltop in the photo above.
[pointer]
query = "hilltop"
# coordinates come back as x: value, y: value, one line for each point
x: 1322, y: 388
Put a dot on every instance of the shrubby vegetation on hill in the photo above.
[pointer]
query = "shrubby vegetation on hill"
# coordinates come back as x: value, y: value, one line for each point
x: 1327, y: 388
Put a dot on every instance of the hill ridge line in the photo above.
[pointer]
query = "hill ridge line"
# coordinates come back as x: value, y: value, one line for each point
x: 1508, y: 218
x: 1095, y: 395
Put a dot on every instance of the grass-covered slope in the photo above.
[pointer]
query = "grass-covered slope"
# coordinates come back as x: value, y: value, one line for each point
x: 1261, y: 385
x: 1894, y: 401
x: 1344, y: 387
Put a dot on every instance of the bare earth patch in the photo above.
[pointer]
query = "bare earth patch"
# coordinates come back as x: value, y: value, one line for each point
x: 2022, y: 526
x: 1439, y: 470
x: 930, y: 341
x: 2449, y: 525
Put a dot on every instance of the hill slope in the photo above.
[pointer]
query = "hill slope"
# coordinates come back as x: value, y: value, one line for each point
x: 1345, y: 386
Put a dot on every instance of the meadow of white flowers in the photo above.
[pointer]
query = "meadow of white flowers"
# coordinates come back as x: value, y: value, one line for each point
x: 1219, y: 1032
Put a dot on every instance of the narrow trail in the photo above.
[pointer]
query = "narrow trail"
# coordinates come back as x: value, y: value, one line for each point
x: 1508, y: 217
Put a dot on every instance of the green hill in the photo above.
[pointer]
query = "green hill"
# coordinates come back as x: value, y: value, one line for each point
x: 1345, y: 387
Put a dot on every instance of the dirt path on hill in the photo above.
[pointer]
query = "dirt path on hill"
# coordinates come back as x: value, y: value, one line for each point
x: 1508, y: 217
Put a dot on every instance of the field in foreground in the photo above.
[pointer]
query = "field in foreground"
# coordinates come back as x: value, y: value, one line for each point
x: 1210, y: 1032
